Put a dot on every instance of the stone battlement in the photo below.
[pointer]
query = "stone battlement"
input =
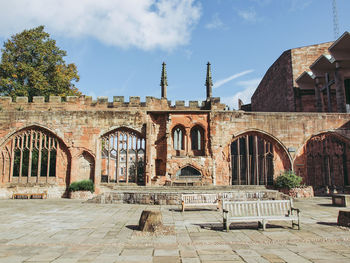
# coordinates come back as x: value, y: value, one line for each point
x: 118, y: 103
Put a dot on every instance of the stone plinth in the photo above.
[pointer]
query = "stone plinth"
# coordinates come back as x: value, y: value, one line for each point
x: 150, y: 221
x: 341, y: 200
x: 344, y: 218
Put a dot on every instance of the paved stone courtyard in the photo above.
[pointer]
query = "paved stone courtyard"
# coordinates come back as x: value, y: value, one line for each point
x: 71, y: 231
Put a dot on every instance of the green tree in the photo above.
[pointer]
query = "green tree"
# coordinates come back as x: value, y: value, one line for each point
x: 32, y: 65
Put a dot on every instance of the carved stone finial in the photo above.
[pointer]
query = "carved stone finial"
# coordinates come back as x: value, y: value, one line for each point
x: 209, y: 82
x: 163, y: 80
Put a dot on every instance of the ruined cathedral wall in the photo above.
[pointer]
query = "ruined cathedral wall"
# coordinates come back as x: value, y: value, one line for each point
x: 289, y: 132
x: 78, y: 125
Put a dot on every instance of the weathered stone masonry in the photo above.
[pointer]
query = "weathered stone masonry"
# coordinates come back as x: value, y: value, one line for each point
x: 79, y: 125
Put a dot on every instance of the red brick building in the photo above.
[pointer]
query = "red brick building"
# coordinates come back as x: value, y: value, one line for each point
x: 48, y: 145
x: 298, y: 80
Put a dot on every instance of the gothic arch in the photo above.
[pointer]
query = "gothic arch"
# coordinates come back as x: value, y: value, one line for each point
x: 325, y: 160
x: 179, y: 137
x: 197, y: 137
x: 257, y: 158
x: 35, y: 155
x: 86, y: 166
x: 123, y: 153
x: 188, y: 170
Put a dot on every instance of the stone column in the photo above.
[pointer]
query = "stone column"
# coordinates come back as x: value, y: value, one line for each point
x: 97, y: 174
x: 319, y: 102
x: 340, y: 89
x: 148, y: 159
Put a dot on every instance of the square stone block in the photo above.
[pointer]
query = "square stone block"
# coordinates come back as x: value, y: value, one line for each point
x: 341, y: 200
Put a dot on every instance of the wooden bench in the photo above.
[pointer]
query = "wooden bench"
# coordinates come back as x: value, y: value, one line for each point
x: 199, y: 200
x: 30, y: 195
x: 261, y: 211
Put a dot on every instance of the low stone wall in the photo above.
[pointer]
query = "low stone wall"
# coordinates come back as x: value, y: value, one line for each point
x: 174, y: 198
x: 52, y: 191
x: 303, y: 192
x: 81, y: 195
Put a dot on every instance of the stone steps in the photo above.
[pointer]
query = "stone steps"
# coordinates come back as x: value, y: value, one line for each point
x: 172, y: 195
x: 125, y: 187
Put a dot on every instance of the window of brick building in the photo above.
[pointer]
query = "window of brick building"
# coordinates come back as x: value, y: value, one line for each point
x: 179, y: 138
x: 197, y: 139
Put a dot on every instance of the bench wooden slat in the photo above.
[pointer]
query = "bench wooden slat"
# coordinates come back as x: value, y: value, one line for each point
x: 194, y: 200
x: 261, y: 211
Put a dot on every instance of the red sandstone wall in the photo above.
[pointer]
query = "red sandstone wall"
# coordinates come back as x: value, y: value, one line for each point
x: 289, y: 130
x: 275, y: 91
x: 81, y: 131
x: 304, y: 57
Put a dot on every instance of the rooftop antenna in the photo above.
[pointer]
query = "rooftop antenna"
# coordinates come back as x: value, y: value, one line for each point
x: 335, y: 20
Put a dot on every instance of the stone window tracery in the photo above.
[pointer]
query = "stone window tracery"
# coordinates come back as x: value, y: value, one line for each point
x: 196, y: 138
x: 252, y: 158
x: 188, y: 171
x: 123, y: 156
x: 327, y: 159
x: 179, y: 138
x: 31, y: 156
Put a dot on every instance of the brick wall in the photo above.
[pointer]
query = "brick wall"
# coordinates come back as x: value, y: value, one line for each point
x: 275, y: 91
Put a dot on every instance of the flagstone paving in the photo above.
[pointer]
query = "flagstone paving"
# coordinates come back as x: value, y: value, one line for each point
x: 72, y: 231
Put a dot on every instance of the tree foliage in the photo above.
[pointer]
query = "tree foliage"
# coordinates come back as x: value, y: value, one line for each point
x: 32, y: 65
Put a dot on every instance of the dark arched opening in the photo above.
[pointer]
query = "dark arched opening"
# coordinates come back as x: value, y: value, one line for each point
x: 253, y: 157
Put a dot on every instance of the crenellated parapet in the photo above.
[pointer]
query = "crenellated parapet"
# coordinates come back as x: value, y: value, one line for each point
x: 76, y: 103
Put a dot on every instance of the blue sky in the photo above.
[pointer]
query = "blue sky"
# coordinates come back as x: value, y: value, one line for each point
x: 119, y: 45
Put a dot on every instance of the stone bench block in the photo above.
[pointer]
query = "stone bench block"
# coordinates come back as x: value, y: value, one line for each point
x: 341, y: 200
x: 344, y: 218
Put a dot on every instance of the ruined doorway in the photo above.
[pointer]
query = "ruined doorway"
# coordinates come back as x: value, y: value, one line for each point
x: 123, y: 157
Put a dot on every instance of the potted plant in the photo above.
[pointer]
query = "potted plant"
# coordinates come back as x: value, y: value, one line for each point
x: 289, y: 183
x: 81, y: 190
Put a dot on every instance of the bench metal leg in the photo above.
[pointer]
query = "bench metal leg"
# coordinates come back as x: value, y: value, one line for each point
x: 296, y: 224
x: 264, y: 224
x: 226, y: 226
x: 260, y: 225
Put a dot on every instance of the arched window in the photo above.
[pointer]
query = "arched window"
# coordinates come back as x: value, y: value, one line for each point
x: 197, y: 138
x: 327, y: 162
x: 123, y: 156
x: 252, y: 157
x: 178, y: 137
x: 34, y: 156
x: 188, y: 171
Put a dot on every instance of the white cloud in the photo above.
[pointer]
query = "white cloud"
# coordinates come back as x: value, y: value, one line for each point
x: 249, y: 86
x: 221, y: 82
x: 145, y: 24
x: 215, y: 22
x: 298, y: 5
x: 248, y: 15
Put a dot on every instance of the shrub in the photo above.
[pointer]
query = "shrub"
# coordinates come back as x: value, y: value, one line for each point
x: 288, y: 180
x: 84, y: 185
